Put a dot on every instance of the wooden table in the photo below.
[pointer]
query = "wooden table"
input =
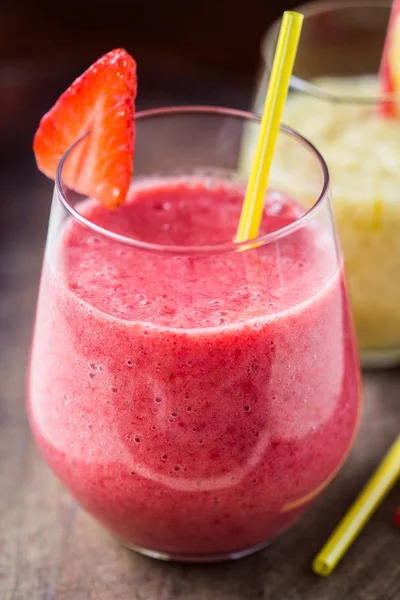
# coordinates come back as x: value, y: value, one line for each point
x: 50, y: 549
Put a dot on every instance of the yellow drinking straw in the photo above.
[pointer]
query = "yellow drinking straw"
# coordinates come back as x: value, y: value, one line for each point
x: 281, y: 72
x: 359, y: 513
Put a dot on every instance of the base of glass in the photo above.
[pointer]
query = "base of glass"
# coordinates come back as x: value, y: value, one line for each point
x: 196, y: 558
x: 380, y: 359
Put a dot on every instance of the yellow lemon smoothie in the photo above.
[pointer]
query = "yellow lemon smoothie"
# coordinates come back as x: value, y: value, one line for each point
x: 362, y: 151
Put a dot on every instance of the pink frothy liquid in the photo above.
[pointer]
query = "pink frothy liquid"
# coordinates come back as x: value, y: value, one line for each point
x: 194, y: 404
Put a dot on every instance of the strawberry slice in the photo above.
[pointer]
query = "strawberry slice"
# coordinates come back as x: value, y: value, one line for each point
x: 389, y: 73
x: 100, y: 102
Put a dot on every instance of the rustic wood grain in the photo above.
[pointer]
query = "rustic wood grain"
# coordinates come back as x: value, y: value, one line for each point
x: 51, y: 550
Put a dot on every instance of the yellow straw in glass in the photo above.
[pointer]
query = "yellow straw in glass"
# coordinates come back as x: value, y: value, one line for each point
x: 359, y: 513
x: 281, y: 72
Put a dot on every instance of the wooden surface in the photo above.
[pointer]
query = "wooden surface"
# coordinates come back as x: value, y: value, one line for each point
x: 51, y: 550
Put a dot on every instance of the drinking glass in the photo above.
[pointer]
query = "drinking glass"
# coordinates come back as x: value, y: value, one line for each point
x: 193, y: 398
x: 335, y: 101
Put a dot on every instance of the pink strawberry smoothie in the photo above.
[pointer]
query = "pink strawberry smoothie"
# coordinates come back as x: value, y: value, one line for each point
x: 194, y: 404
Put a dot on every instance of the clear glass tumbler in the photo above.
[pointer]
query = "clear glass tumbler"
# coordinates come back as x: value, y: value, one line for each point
x: 193, y: 394
x: 335, y: 102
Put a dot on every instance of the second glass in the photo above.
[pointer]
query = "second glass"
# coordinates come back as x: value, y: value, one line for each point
x: 335, y: 101
x: 193, y: 394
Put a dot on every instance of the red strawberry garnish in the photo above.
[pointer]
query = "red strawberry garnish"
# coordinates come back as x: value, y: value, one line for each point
x: 397, y: 517
x: 100, y: 102
x: 389, y: 73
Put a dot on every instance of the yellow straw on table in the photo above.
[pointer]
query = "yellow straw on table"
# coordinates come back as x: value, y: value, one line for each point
x: 359, y: 513
x: 281, y: 72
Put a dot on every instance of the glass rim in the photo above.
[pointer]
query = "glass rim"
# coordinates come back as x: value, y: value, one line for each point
x: 309, y: 9
x: 262, y: 240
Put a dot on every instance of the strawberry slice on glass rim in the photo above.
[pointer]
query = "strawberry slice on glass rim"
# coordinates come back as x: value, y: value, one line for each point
x: 100, y: 104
